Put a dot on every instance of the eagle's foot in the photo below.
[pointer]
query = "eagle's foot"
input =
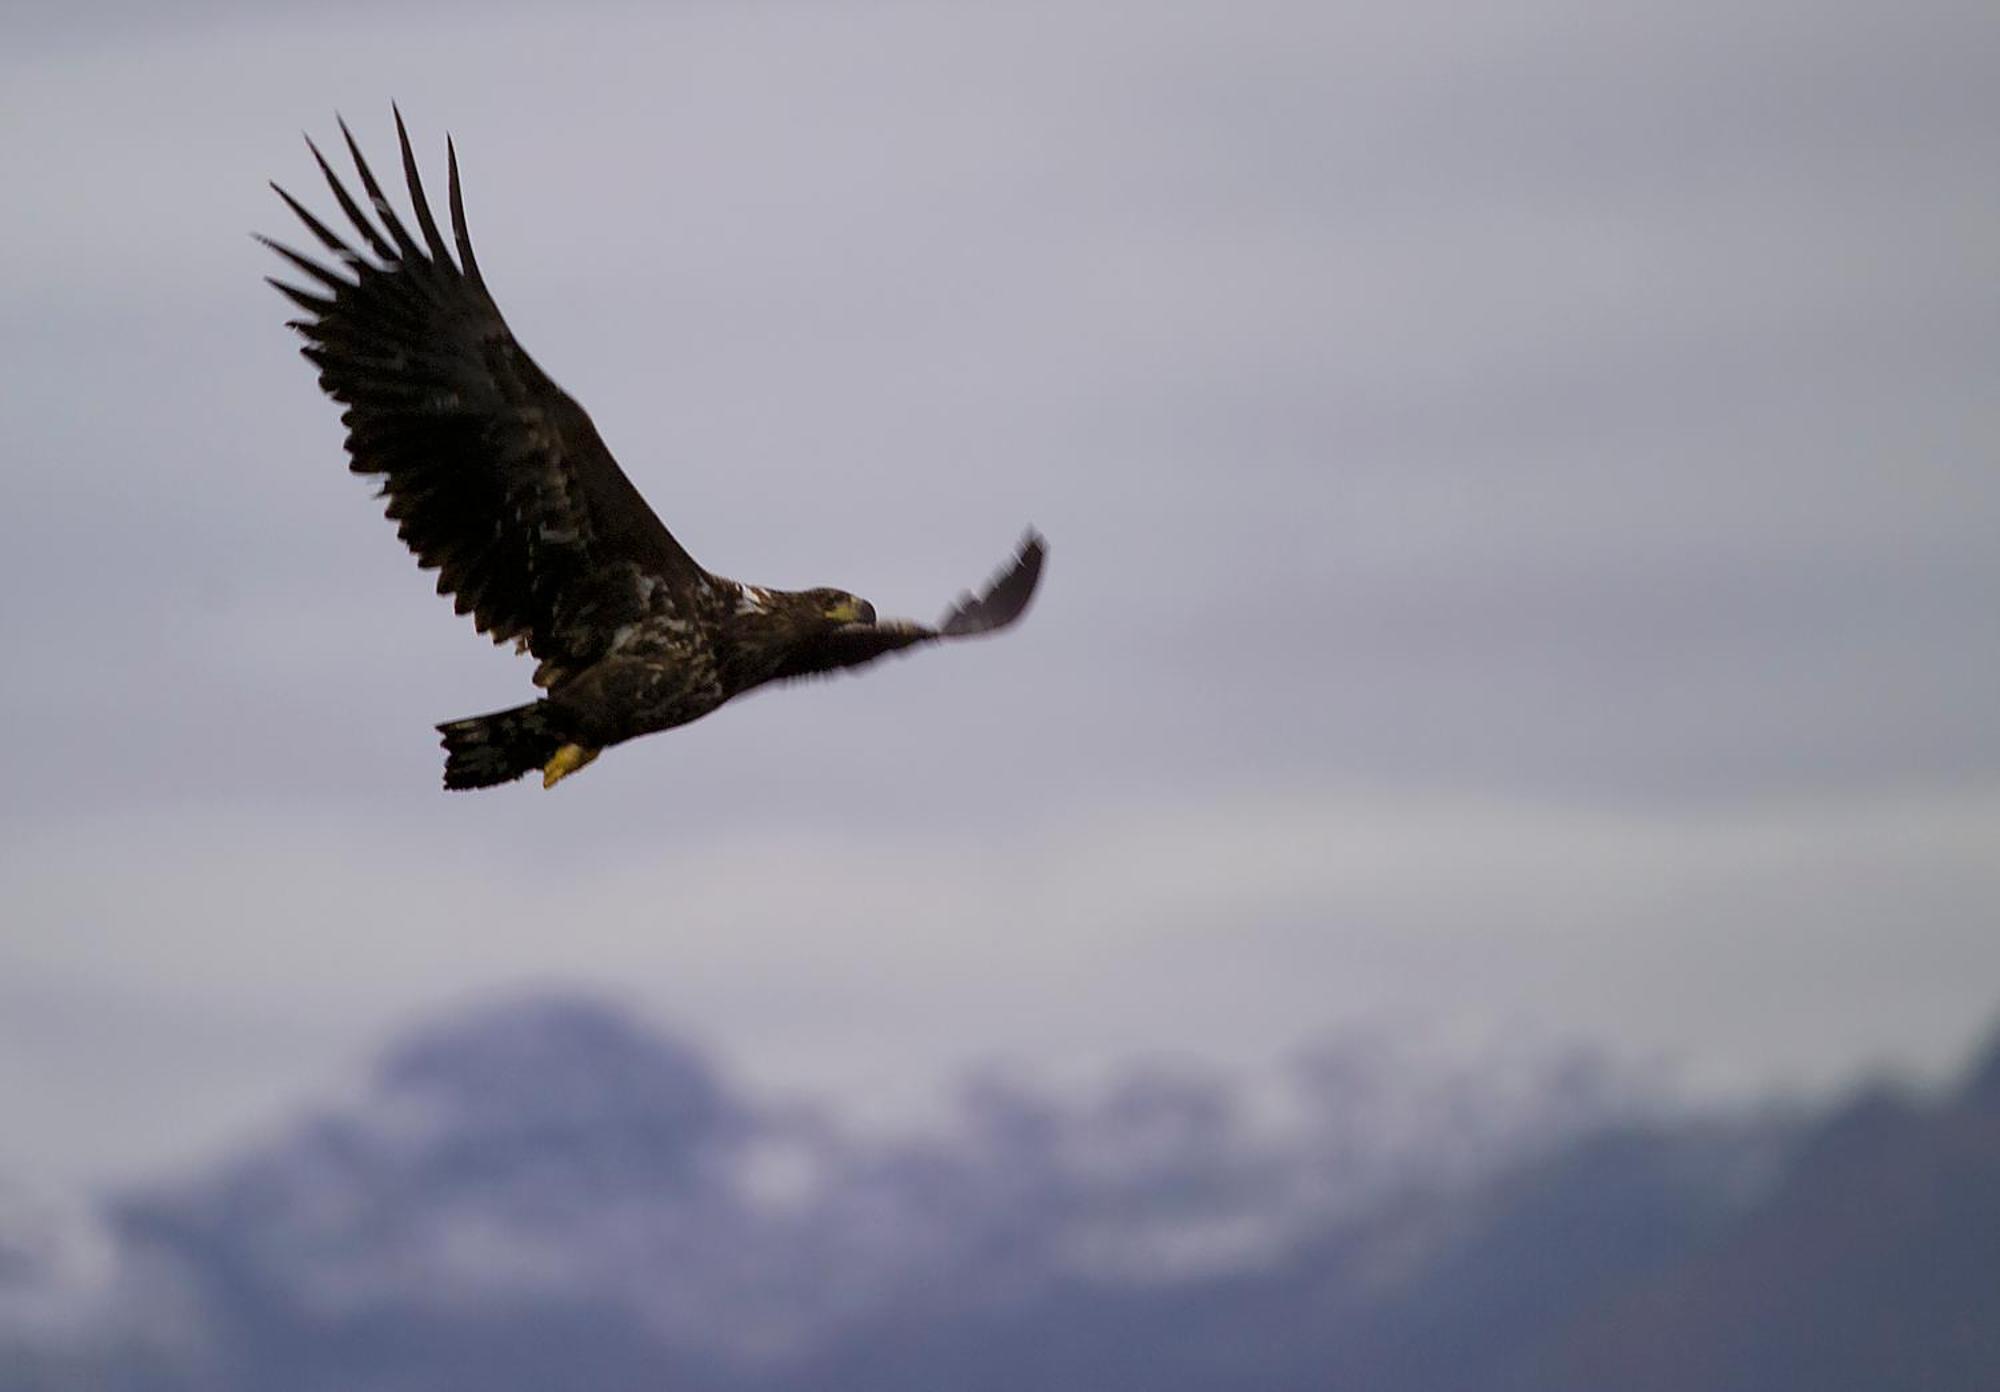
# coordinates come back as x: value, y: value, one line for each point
x: 566, y: 761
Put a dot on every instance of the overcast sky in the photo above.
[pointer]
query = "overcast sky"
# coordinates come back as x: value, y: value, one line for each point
x: 1521, y: 484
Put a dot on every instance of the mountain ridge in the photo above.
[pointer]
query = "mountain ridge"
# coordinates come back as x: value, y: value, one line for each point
x: 547, y: 1189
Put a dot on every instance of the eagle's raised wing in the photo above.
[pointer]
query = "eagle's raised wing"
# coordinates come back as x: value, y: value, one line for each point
x: 495, y: 477
x: 1004, y: 600
x: 1005, y: 597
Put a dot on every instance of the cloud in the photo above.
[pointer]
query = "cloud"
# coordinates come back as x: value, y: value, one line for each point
x: 1746, y: 945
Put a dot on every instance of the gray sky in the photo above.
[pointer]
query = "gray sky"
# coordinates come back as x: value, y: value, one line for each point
x: 1521, y: 488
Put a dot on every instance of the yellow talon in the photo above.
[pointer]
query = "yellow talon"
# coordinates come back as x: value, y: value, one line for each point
x: 566, y: 761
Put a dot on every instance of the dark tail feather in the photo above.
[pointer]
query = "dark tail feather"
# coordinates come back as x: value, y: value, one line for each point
x: 498, y: 748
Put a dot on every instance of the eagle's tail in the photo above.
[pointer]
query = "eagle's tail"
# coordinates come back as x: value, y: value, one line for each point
x: 498, y: 748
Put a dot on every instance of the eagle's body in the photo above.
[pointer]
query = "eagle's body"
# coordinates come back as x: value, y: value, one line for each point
x: 498, y: 480
x: 671, y: 659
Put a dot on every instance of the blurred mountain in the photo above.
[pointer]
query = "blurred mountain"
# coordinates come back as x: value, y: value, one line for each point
x: 547, y: 1194
x: 1875, y: 1264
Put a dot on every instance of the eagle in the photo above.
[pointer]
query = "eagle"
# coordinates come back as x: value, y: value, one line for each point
x: 496, y: 479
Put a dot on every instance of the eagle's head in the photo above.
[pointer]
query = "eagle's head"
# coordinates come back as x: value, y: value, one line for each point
x: 796, y: 614
x: 775, y: 631
x: 781, y: 632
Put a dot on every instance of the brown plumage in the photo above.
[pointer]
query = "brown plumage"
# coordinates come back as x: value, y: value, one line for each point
x: 497, y: 480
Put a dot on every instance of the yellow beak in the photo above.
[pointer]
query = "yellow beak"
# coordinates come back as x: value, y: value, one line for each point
x: 852, y: 611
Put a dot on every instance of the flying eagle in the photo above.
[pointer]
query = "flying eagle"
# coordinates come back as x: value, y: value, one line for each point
x: 497, y: 480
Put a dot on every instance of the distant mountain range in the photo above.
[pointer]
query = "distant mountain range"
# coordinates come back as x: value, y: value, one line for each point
x: 547, y: 1195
